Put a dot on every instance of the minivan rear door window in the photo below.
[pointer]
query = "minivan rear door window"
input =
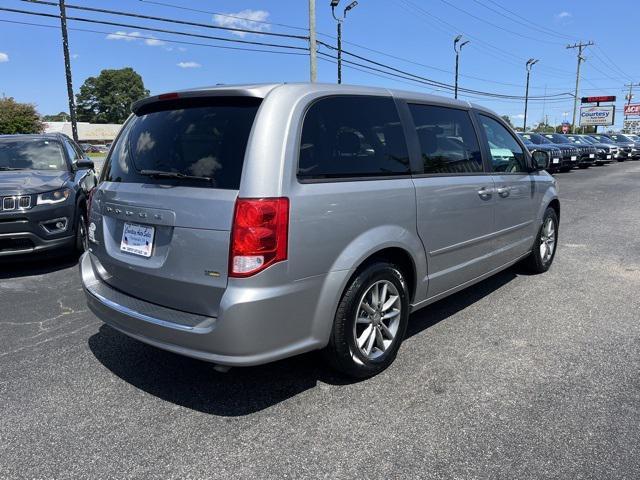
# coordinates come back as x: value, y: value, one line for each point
x: 185, y: 142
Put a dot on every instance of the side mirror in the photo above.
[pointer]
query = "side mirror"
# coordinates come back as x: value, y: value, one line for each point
x: 540, y: 160
x: 84, y: 163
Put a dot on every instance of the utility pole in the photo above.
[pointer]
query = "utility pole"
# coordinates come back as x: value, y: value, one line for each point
x: 530, y: 63
x: 313, y: 58
x: 580, y: 46
x: 339, y: 20
x: 457, y: 47
x: 67, y: 67
x: 630, y: 94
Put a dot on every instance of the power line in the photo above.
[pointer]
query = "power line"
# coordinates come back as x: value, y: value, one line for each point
x: 525, y: 21
x: 160, y: 30
x: 498, y: 26
x: 180, y: 7
x: 142, y: 37
x: 169, y: 20
x: 431, y: 81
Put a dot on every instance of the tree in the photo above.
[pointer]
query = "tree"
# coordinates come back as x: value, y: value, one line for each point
x: 507, y: 119
x: 18, y: 117
x: 107, y: 98
x: 60, y: 117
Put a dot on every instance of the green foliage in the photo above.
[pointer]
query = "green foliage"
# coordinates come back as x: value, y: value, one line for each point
x: 18, y: 117
x: 507, y: 119
x: 60, y: 117
x: 107, y: 98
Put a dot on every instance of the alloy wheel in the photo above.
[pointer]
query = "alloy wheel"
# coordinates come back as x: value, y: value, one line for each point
x: 377, y: 319
x: 547, y: 240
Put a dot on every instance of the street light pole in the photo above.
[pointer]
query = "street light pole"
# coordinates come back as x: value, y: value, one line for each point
x: 530, y: 63
x: 457, y: 47
x: 339, y: 20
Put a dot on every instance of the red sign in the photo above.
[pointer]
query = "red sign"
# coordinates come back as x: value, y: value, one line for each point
x: 611, y: 98
x: 632, y: 109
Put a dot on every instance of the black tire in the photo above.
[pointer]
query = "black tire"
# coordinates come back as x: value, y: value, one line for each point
x: 342, y: 352
x: 583, y: 167
x: 535, y: 262
x: 81, y: 243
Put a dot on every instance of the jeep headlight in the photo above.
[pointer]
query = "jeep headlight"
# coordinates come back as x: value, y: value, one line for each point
x: 57, y: 196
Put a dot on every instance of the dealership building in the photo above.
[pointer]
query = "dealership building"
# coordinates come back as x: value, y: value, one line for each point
x: 94, y: 133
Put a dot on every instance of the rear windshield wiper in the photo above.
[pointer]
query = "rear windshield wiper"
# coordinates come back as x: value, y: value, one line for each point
x: 181, y: 176
x: 10, y: 168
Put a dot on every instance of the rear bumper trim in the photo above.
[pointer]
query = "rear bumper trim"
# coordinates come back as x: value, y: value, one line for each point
x: 146, y: 318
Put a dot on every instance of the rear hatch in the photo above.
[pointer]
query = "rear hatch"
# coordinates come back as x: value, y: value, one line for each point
x: 164, y: 208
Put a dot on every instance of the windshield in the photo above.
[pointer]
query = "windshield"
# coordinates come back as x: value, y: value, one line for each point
x: 555, y: 138
x: 603, y: 139
x: 536, y: 138
x: 578, y: 140
x: 621, y: 138
x: 589, y: 140
x: 31, y: 154
x: 203, y: 137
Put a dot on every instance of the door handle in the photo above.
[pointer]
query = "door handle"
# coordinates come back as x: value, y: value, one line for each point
x: 485, y: 193
x: 503, y: 191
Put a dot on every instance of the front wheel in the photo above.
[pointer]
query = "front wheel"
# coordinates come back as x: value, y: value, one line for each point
x: 81, y: 243
x: 370, y: 322
x: 544, y: 247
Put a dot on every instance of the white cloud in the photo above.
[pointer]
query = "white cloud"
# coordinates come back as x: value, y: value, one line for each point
x: 135, y: 36
x: 519, y: 115
x: 74, y: 55
x: 562, y: 17
x: 247, y: 19
x: 188, y: 65
x: 154, y: 42
x: 120, y: 35
x: 4, y: 57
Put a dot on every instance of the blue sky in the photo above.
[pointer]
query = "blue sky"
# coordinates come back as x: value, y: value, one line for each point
x: 418, y: 32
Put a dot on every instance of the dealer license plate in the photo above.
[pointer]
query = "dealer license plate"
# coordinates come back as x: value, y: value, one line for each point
x: 137, y: 239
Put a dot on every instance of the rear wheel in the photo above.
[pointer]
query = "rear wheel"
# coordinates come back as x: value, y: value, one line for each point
x: 544, y: 247
x: 370, y: 322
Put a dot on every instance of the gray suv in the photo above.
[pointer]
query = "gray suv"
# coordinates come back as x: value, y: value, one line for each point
x: 245, y: 224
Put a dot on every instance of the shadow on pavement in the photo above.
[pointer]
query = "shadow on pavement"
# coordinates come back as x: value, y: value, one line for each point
x: 38, y: 264
x: 196, y: 385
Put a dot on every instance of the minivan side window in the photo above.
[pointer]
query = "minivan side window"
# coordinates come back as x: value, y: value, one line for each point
x: 448, y: 142
x: 506, y: 154
x: 352, y: 136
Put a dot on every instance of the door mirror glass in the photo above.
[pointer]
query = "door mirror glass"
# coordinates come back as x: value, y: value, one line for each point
x: 84, y: 163
x: 540, y: 160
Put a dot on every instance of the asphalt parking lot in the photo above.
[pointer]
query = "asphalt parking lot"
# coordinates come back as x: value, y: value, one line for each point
x: 517, y: 377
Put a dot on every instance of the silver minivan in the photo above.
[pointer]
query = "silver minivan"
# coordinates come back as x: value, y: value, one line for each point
x: 245, y: 224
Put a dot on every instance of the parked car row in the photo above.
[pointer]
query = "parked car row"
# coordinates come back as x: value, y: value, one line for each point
x: 583, y: 150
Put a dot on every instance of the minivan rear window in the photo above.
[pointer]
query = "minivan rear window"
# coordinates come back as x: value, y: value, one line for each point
x: 204, y: 137
x: 352, y: 136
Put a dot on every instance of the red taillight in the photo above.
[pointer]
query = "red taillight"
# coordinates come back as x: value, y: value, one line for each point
x: 259, y: 235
